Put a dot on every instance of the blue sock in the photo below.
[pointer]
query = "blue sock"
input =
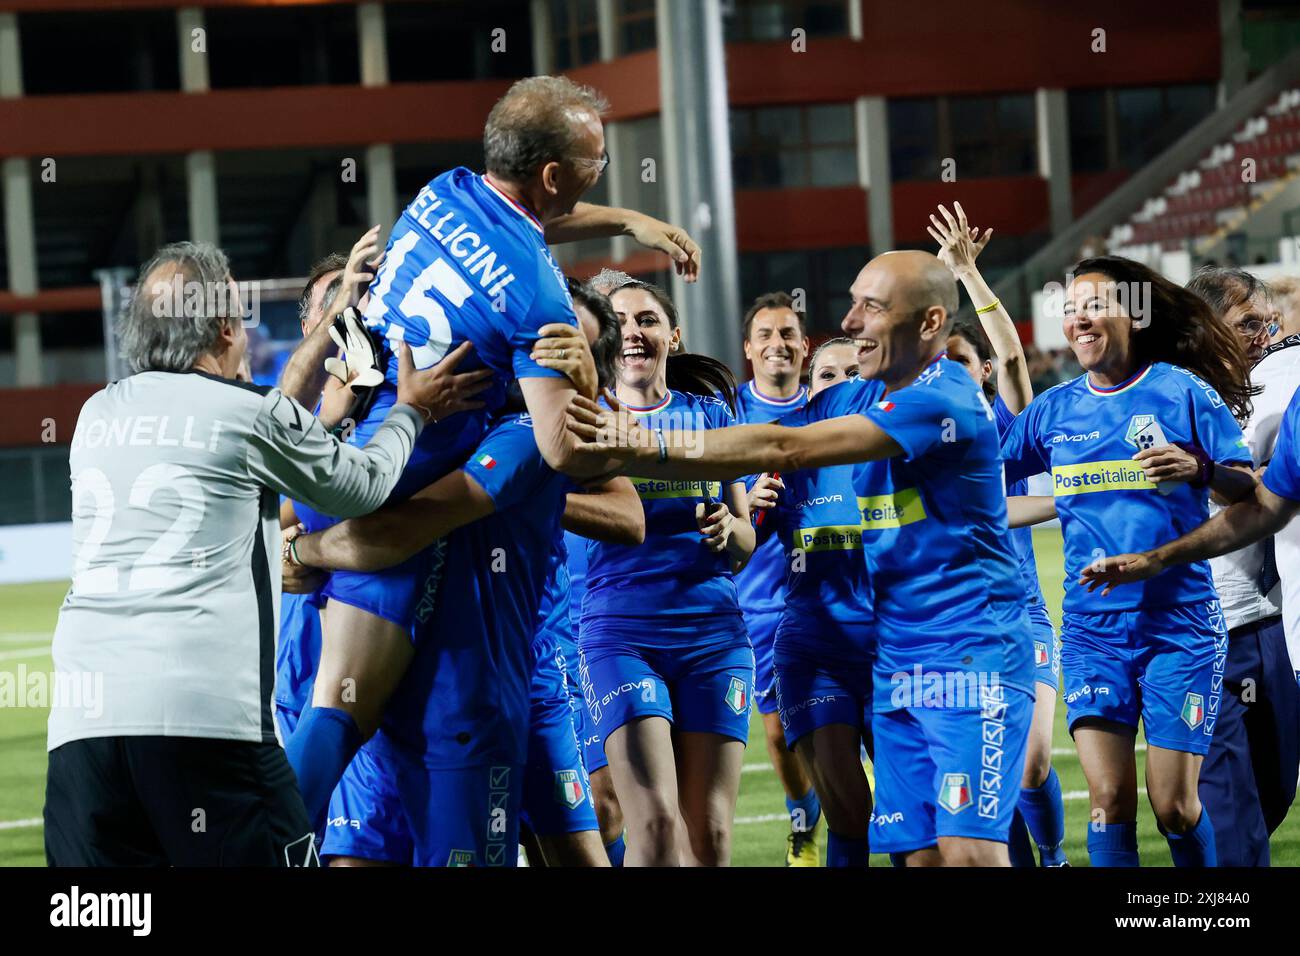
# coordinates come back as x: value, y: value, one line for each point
x: 1044, y: 814
x: 845, y: 851
x: 616, y: 851
x: 898, y: 859
x: 1114, y: 845
x: 320, y: 749
x: 1019, y: 849
x: 1196, y: 846
x: 811, y: 807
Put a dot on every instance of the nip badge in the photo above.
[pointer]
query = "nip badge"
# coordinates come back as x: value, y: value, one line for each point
x: 1145, y: 432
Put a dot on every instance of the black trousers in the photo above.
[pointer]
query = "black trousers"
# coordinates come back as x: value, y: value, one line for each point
x: 1248, y: 779
x: 174, y: 801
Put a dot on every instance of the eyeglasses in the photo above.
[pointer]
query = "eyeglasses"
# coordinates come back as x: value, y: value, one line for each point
x: 597, y: 164
x: 1250, y: 328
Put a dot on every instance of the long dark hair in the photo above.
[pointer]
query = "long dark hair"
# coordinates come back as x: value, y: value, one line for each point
x: 974, y: 334
x: 610, y: 340
x: 690, y: 371
x: 1183, y: 330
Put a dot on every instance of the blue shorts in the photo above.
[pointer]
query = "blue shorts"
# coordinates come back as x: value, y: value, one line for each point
x: 1163, y: 665
x: 297, y: 652
x: 823, y: 674
x: 557, y: 794
x: 593, y: 747
x: 704, y: 686
x: 949, y: 772
x: 461, y: 817
x: 365, y: 817
x: 1047, y: 649
x: 396, y: 593
x: 762, y: 635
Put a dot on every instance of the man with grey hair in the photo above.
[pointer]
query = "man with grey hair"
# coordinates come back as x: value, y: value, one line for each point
x: 466, y: 266
x: 1258, y: 732
x: 174, y: 600
x: 607, y: 281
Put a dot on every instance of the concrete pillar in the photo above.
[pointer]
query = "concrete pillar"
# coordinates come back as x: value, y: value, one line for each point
x: 871, y: 126
x: 697, y: 170
x: 539, y: 17
x: 19, y: 224
x: 1053, y: 125
x: 1233, y: 59
x: 607, y: 25
x: 200, y: 165
x: 381, y: 171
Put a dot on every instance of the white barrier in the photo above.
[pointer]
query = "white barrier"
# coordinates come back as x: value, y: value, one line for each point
x: 35, y: 552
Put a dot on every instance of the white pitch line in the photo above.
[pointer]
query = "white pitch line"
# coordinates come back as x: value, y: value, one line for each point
x: 23, y: 637
x: 20, y: 824
x: 42, y: 651
x: 740, y: 821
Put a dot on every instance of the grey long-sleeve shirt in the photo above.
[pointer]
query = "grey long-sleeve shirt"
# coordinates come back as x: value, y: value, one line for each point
x: 170, y: 624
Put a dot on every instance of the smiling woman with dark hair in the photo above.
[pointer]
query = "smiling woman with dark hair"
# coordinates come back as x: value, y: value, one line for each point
x: 666, y: 663
x: 1135, y: 447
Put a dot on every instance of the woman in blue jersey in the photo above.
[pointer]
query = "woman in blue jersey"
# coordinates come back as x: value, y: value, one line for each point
x: 666, y: 665
x: 1135, y: 446
x: 991, y: 353
x: 825, y: 640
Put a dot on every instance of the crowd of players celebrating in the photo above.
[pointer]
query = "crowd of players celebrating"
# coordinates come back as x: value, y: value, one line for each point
x: 539, y: 560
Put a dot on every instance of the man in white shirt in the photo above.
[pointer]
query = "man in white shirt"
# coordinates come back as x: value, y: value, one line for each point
x: 1248, y: 779
x: 174, y: 602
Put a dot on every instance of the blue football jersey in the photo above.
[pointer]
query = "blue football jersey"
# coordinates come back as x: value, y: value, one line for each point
x: 553, y: 620
x: 575, y: 551
x: 672, y: 573
x: 464, y: 261
x: 1021, y: 538
x: 761, y: 585
x: 1283, y: 474
x: 1086, y: 438
x: 818, y: 523
x: 464, y: 701
x: 944, y: 580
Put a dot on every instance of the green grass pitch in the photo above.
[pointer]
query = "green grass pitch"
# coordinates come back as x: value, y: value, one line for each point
x: 27, y: 617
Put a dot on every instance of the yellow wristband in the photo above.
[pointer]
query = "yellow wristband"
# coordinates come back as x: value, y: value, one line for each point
x: 990, y: 307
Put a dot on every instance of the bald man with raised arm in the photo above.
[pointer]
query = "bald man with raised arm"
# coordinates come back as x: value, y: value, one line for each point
x: 954, y: 669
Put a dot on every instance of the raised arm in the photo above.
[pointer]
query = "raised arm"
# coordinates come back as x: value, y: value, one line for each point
x: 959, y: 245
x: 610, y: 512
